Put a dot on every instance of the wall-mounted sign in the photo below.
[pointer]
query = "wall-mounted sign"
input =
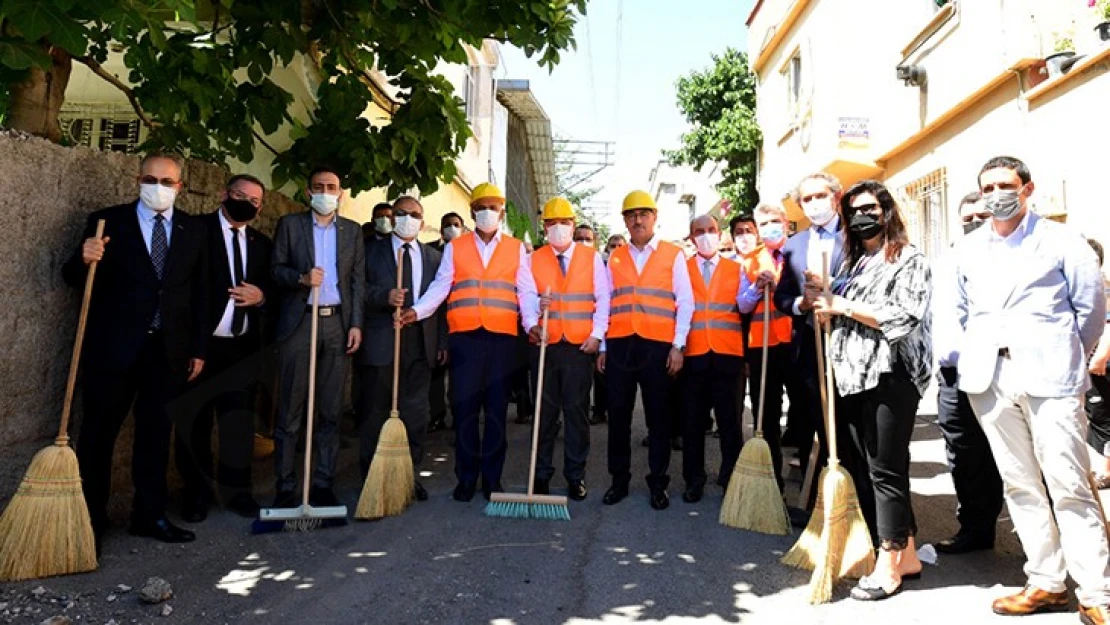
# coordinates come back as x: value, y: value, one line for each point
x: 854, y: 132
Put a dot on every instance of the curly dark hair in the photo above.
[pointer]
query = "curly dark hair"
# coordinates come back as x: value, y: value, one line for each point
x: 894, y: 229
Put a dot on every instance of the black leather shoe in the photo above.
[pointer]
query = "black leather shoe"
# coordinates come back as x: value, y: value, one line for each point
x: 421, y: 494
x: 322, y: 498
x: 964, y: 543
x: 615, y: 494
x: 162, y: 530
x: 676, y: 443
x: 489, y: 489
x: 597, y: 418
x: 576, y: 490
x: 244, y: 505
x: 659, y: 499
x: 195, y: 508
x: 285, y: 499
x: 692, y: 494
x: 464, y: 492
x: 542, y: 487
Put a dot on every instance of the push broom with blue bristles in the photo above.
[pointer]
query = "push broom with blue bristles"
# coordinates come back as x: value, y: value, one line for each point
x: 531, y: 505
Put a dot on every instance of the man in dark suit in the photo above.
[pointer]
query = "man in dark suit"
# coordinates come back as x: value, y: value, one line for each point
x: 315, y: 251
x: 423, y: 344
x: 450, y: 227
x: 147, y: 336
x: 239, y: 261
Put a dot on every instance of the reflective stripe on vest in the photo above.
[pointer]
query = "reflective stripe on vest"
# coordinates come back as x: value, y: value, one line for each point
x: 571, y: 315
x: 781, y: 324
x: 715, y: 325
x: 484, y: 297
x: 643, y: 303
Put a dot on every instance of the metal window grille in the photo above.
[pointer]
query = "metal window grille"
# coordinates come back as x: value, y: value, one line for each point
x: 925, y: 210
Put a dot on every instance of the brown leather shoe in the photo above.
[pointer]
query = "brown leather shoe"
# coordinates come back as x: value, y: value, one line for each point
x: 1098, y: 615
x: 1030, y: 601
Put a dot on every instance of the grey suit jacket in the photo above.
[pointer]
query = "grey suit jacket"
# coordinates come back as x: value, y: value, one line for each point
x: 294, y: 255
x: 381, y: 277
x: 795, y: 263
x: 1045, y: 304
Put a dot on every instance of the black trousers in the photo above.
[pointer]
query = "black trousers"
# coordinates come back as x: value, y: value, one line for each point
x: 710, y: 382
x: 481, y: 365
x: 523, y: 393
x: 633, y: 362
x: 437, y: 395
x: 601, y: 402
x: 412, y: 399
x: 363, y: 386
x: 807, y: 398
x: 566, y: 391
x: 778, y: 362
x: 881, y: 423
x: 108, y: 396
x: 1098, y: 412
x: 223, y: 395
x: 974, y: 472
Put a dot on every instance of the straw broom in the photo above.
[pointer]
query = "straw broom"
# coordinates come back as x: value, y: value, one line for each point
x: 753, y: 500
x: 46, y: 529
x: 390, y: 485
x: 846, y: 549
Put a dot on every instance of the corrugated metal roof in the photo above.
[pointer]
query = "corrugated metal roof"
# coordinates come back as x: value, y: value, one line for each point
x: 517, y: 97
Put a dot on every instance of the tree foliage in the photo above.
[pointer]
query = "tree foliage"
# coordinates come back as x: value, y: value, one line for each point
x: 719, y: 104
x: 200, y: 73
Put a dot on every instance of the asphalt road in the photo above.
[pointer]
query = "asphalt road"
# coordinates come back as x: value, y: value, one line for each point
x: 445, y: 562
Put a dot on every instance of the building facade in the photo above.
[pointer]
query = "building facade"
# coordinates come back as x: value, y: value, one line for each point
x: 681, y: 194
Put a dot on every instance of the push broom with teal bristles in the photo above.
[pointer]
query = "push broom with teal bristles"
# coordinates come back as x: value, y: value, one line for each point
x: 531, y: 505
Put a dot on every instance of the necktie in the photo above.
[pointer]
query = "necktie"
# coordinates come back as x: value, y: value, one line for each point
x: 159, y: 248
x: 562, y: 263
x: 406, y: 273
x: 238, y: 313
x: 707, y: 272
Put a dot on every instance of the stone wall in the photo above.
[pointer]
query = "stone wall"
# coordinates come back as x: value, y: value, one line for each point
x: 46, y: 192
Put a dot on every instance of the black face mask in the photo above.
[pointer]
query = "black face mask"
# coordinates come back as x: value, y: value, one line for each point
x: 240, y: 210
x: 865, y: 226
x: 972, y: 226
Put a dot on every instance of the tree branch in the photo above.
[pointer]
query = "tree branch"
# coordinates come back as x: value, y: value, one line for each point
x: 99, y: 70
x: 262, y: 140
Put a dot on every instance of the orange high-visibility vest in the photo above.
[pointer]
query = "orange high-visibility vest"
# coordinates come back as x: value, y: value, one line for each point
x: 781, y: 325
x: 644, y: 303
x: 715, y: 325
x: 484, y: 297
x: 570, y: 317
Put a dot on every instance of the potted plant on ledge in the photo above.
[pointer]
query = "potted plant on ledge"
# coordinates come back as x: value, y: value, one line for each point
x: 1063, y: 51
x: 1102, y: 9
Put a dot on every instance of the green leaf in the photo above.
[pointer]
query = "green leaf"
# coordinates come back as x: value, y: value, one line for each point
x: 20, y: 56
x: 38, y: 20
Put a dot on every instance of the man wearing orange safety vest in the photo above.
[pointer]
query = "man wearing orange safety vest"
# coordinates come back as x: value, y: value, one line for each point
x: 649, y: 318
x: 714, y: 359
x: 578, y: 316
x: 761, y: 270
x: 484, y: 278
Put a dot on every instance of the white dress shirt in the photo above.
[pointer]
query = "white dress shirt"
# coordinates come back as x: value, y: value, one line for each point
x: 680, y: 284
x: 146, y: 222
x: 417, y: 263
x: 825, y: 242
x: 223, y: 328
x: 530, y: 310
x: 440, y: 288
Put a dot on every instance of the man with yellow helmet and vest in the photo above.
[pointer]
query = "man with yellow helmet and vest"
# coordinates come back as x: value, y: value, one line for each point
x: 649, y: 318
x: 578, y: 316
x: 484, y: 278
x: 714, y: 358
x: 762, y: 268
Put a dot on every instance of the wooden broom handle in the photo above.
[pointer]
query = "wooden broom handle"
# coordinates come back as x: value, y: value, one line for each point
x: 763, y: 370
x: 829, y: 387
x: 397, y: 336
x: 82, y: 319
x: 306, y: 479
x: 539, y: 398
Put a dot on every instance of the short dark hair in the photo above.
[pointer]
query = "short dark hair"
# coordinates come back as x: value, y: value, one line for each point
x: 323, y: 169
x: 1008, y: 162
x: 383, y: 206
x: 616, y: 237
x: 894, y: 230
x: 443, y: 220
x: 1097, y: 247
x: 746, y: 217
x: 237, y: 178
x: 585, y: 227
x: 405, y: 199
x: 970, y: 198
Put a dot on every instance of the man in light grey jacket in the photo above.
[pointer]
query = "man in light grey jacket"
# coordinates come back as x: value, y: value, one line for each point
x: 1031, y: 305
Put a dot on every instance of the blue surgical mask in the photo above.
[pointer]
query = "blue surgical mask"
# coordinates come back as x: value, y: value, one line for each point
x: 772, y: 232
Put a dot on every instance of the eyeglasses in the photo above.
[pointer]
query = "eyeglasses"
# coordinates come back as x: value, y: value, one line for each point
x: 867, y: 208
x: 590, y: 241
x: 239, y: 195
x: 165, y: 182
x: 405, y: 213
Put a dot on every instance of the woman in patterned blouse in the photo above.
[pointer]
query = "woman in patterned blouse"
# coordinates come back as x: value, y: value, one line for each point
x: 881, y: 353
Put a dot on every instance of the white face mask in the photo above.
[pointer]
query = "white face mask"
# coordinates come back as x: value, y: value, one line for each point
x: 407, y: 226
x: 772, y: 234
x: 487, y: 220
x: 157, y: 197
x: 451, y: 232
x: 559, y: 235
x: 745, y: 243
x: 708, y: 243
x: 820, y: 210
x: 382, y: 225
x: 325, y: 204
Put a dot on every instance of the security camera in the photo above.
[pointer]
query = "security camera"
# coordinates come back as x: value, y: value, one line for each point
x: 912, y: 75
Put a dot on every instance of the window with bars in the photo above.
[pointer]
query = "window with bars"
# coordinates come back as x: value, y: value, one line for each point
x: 925, y: 209
x: 115, y: 134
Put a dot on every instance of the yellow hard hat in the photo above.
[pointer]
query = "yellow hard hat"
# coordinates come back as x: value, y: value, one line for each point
x: 484, y: 191
x: 638, y: 199
x: 558, y: 208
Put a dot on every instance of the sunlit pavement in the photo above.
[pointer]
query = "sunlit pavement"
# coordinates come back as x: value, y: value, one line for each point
x: 445, y: 562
